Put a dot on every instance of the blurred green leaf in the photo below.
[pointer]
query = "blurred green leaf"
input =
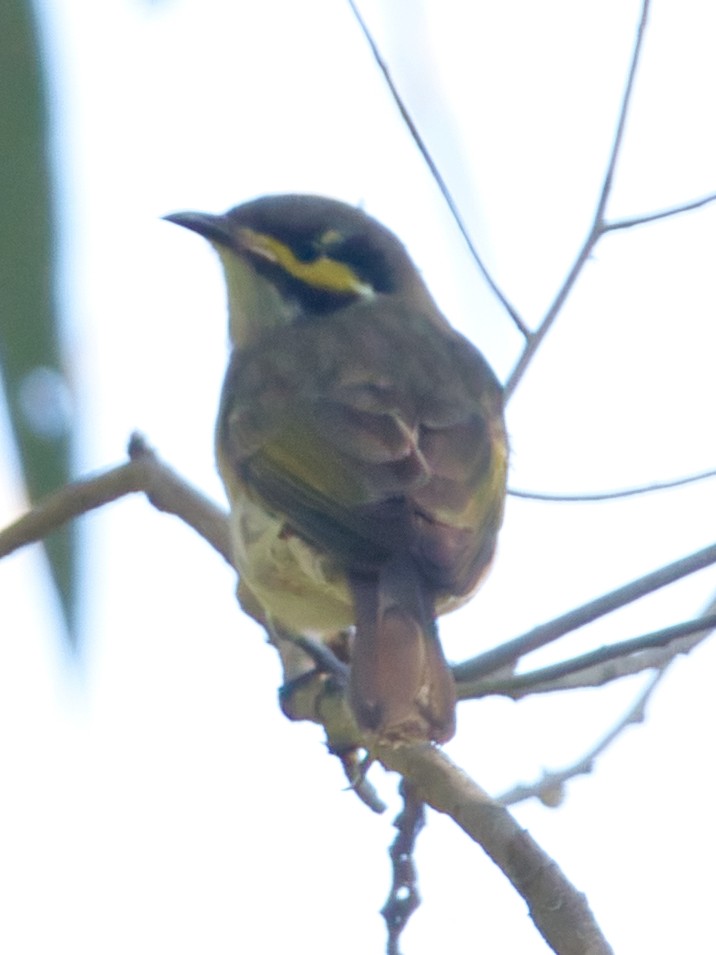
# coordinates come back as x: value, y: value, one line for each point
x: 30, y: 362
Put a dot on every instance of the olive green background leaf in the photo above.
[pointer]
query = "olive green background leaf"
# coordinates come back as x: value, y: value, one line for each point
x: 30, y: 361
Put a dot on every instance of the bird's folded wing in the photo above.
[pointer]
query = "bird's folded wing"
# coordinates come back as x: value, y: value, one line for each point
x: 366, y: 447
x: 360, y: 503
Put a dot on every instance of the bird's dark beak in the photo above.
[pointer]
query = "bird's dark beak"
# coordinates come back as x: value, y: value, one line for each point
x: 214, y: 228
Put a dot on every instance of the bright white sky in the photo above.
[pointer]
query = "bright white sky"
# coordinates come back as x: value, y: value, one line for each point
x: 160, y: 802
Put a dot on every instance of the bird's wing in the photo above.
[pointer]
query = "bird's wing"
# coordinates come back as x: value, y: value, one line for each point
x: 372, y: 439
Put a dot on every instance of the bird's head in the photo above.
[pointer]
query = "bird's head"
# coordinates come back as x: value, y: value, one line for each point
x: 294, y: 257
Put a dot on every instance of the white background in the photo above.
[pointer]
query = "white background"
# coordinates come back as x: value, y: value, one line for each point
x: 157, y: 800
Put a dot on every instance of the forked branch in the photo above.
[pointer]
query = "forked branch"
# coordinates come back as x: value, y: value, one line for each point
x: 437, y: 175
x: 599, y: 225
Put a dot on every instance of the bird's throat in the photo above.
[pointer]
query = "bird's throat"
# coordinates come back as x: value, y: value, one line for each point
x: 255, y: 304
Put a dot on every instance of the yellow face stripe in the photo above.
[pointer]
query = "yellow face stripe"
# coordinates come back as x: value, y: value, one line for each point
x: 321, y: 273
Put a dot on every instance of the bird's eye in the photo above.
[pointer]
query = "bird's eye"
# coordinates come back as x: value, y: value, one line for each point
x: 306, y: 250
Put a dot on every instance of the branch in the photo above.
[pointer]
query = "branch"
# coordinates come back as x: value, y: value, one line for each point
x: 560, y: 913
x: 598, y: 226
x: 549, y: 789
x: 435, y: 173
x: 612, y: 495
x: 144, y: 473
x: 599, y: 666
x: 404, y: 897
x: 664, y: 214
x: 353, y: 763
x: 508, y: 653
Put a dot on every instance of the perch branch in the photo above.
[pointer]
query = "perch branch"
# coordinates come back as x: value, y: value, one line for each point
x: 559, y: 911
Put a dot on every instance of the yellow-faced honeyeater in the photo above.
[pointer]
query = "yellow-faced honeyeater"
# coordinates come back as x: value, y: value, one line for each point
x: 362, y: 444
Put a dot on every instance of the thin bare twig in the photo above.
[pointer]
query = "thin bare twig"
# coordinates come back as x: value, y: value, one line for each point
x: 508, y: 653
x: 549, y: 788
x: 598, y: 666
x: 611, y: 495
x: 352, y: 761
x: 404, y: 897
x: 598, y: 226
x: 436, y: 174
x: 664, y: 214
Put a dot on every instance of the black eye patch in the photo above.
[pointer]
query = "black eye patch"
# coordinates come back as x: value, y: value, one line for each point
x: 367, y: 261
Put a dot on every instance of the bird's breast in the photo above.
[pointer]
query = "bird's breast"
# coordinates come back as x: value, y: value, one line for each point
x: 297, y: 584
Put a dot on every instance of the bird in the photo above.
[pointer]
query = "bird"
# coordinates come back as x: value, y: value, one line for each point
x: 362, y: 444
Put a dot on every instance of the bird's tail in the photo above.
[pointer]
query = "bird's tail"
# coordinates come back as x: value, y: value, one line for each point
x: 400, y: 687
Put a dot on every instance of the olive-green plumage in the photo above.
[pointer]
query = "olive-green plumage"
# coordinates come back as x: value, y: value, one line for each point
x: 362, y: 445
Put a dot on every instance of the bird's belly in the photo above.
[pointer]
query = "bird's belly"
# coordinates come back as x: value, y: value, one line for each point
x: 297, y: 585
